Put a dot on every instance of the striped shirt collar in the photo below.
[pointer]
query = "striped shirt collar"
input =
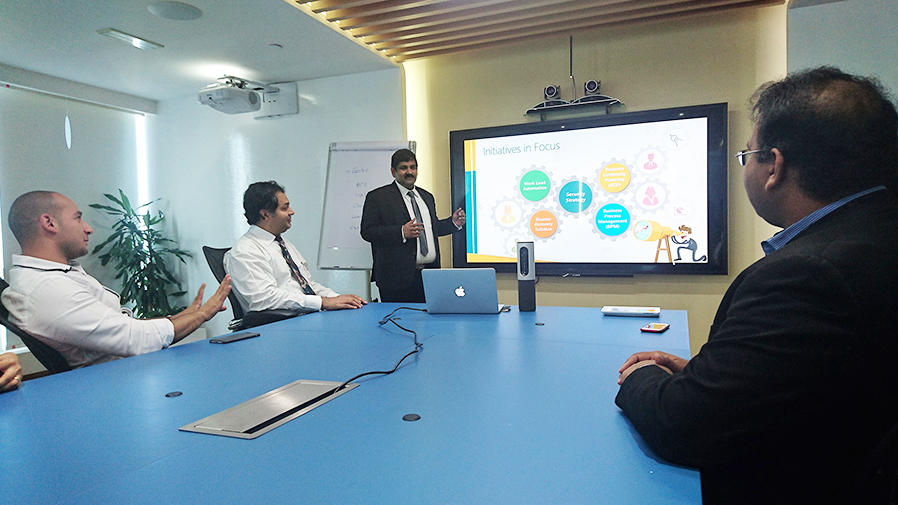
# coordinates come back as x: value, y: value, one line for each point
x: 782, y: 238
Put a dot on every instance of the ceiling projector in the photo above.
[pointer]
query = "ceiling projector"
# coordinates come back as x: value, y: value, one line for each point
x: 230, y: 99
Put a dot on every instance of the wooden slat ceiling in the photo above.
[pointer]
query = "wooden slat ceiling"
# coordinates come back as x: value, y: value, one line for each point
x: 406, y: 29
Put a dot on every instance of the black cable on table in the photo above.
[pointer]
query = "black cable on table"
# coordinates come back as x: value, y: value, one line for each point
x: 389, y: 319
x: 341, y: 386
x: 418, y: 345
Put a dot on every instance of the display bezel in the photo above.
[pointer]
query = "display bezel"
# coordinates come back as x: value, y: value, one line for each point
x: 716, y: 115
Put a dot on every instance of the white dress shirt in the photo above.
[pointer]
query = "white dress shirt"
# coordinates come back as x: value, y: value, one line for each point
x: 431, y: 255
x: 261, y: 278
x: 73, y: 313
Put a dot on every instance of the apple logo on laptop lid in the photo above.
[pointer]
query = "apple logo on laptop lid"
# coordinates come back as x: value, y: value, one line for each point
x: 460, y: 291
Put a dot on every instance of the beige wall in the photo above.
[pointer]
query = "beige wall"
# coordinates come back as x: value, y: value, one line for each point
x: 705, y: 59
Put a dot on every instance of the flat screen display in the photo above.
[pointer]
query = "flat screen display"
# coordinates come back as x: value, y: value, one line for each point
x: 619, y: 194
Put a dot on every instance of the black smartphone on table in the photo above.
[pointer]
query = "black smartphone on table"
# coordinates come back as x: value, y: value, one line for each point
x: 227, y: 339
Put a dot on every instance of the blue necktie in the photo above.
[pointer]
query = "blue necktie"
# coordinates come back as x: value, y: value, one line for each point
x: 294, y: 270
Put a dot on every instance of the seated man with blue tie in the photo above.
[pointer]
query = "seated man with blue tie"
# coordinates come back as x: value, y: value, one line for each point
x: 267, y: 271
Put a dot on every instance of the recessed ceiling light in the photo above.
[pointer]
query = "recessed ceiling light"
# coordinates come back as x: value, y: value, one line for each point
x: 132, y: 40
x: 178, y: 11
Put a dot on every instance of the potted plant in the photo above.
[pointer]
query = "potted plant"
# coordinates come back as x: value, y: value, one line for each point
x: 140, y: 253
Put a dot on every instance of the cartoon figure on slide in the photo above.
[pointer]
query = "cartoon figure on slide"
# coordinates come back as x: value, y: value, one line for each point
x: 686, y: 242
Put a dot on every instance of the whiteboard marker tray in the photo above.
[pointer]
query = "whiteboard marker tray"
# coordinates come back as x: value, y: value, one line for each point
x: 266, y: 412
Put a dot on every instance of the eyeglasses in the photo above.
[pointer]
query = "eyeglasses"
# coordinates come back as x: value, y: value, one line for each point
x: 745, y: 152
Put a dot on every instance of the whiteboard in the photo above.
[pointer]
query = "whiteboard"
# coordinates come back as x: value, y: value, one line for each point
x: 353, y: 169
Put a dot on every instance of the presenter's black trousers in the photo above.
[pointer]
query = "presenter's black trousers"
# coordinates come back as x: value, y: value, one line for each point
x: 410, y: 294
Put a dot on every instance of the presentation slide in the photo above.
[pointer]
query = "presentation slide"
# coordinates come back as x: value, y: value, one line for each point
x: 634, y: 193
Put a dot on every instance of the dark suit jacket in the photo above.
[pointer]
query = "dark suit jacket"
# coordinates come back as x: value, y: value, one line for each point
x: 797, y: 380
x: 383, y: 215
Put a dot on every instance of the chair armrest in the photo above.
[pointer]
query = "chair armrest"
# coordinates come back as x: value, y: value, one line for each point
x: 260, y: 317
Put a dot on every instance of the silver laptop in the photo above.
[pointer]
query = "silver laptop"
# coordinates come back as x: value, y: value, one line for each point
x: 461, y: 291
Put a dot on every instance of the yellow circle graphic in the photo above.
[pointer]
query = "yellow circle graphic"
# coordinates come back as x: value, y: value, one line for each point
x: 614, y: 177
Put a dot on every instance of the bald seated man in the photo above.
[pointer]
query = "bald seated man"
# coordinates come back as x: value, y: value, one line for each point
x: 51, y: 297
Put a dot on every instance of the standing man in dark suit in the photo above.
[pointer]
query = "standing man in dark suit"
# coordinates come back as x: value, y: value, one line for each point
x: 403, y: 234
x: 796, y: 384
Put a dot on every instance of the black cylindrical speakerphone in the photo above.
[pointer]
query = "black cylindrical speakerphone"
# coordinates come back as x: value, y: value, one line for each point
x: 526, y: 277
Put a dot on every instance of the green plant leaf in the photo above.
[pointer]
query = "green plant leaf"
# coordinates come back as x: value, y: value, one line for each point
x: 140, y: 253
x: 126, y: 204
x: 147, y: 204
x: 108, y: 209
x: 114, y: 199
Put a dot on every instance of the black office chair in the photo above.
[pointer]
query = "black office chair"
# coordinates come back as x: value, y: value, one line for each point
x: 215, y: 259
x: 242, y: 320
x: 882, y: 471
x: 48, y: 356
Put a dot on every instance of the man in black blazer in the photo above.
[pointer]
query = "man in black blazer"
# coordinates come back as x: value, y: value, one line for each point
x: 403, y: 234
x: 796, y: 385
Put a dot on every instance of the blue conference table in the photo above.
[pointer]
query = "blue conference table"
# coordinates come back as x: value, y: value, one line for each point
x: 515, y: 407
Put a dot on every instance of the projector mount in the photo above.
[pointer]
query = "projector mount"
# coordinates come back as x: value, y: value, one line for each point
x: 239, y: 82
